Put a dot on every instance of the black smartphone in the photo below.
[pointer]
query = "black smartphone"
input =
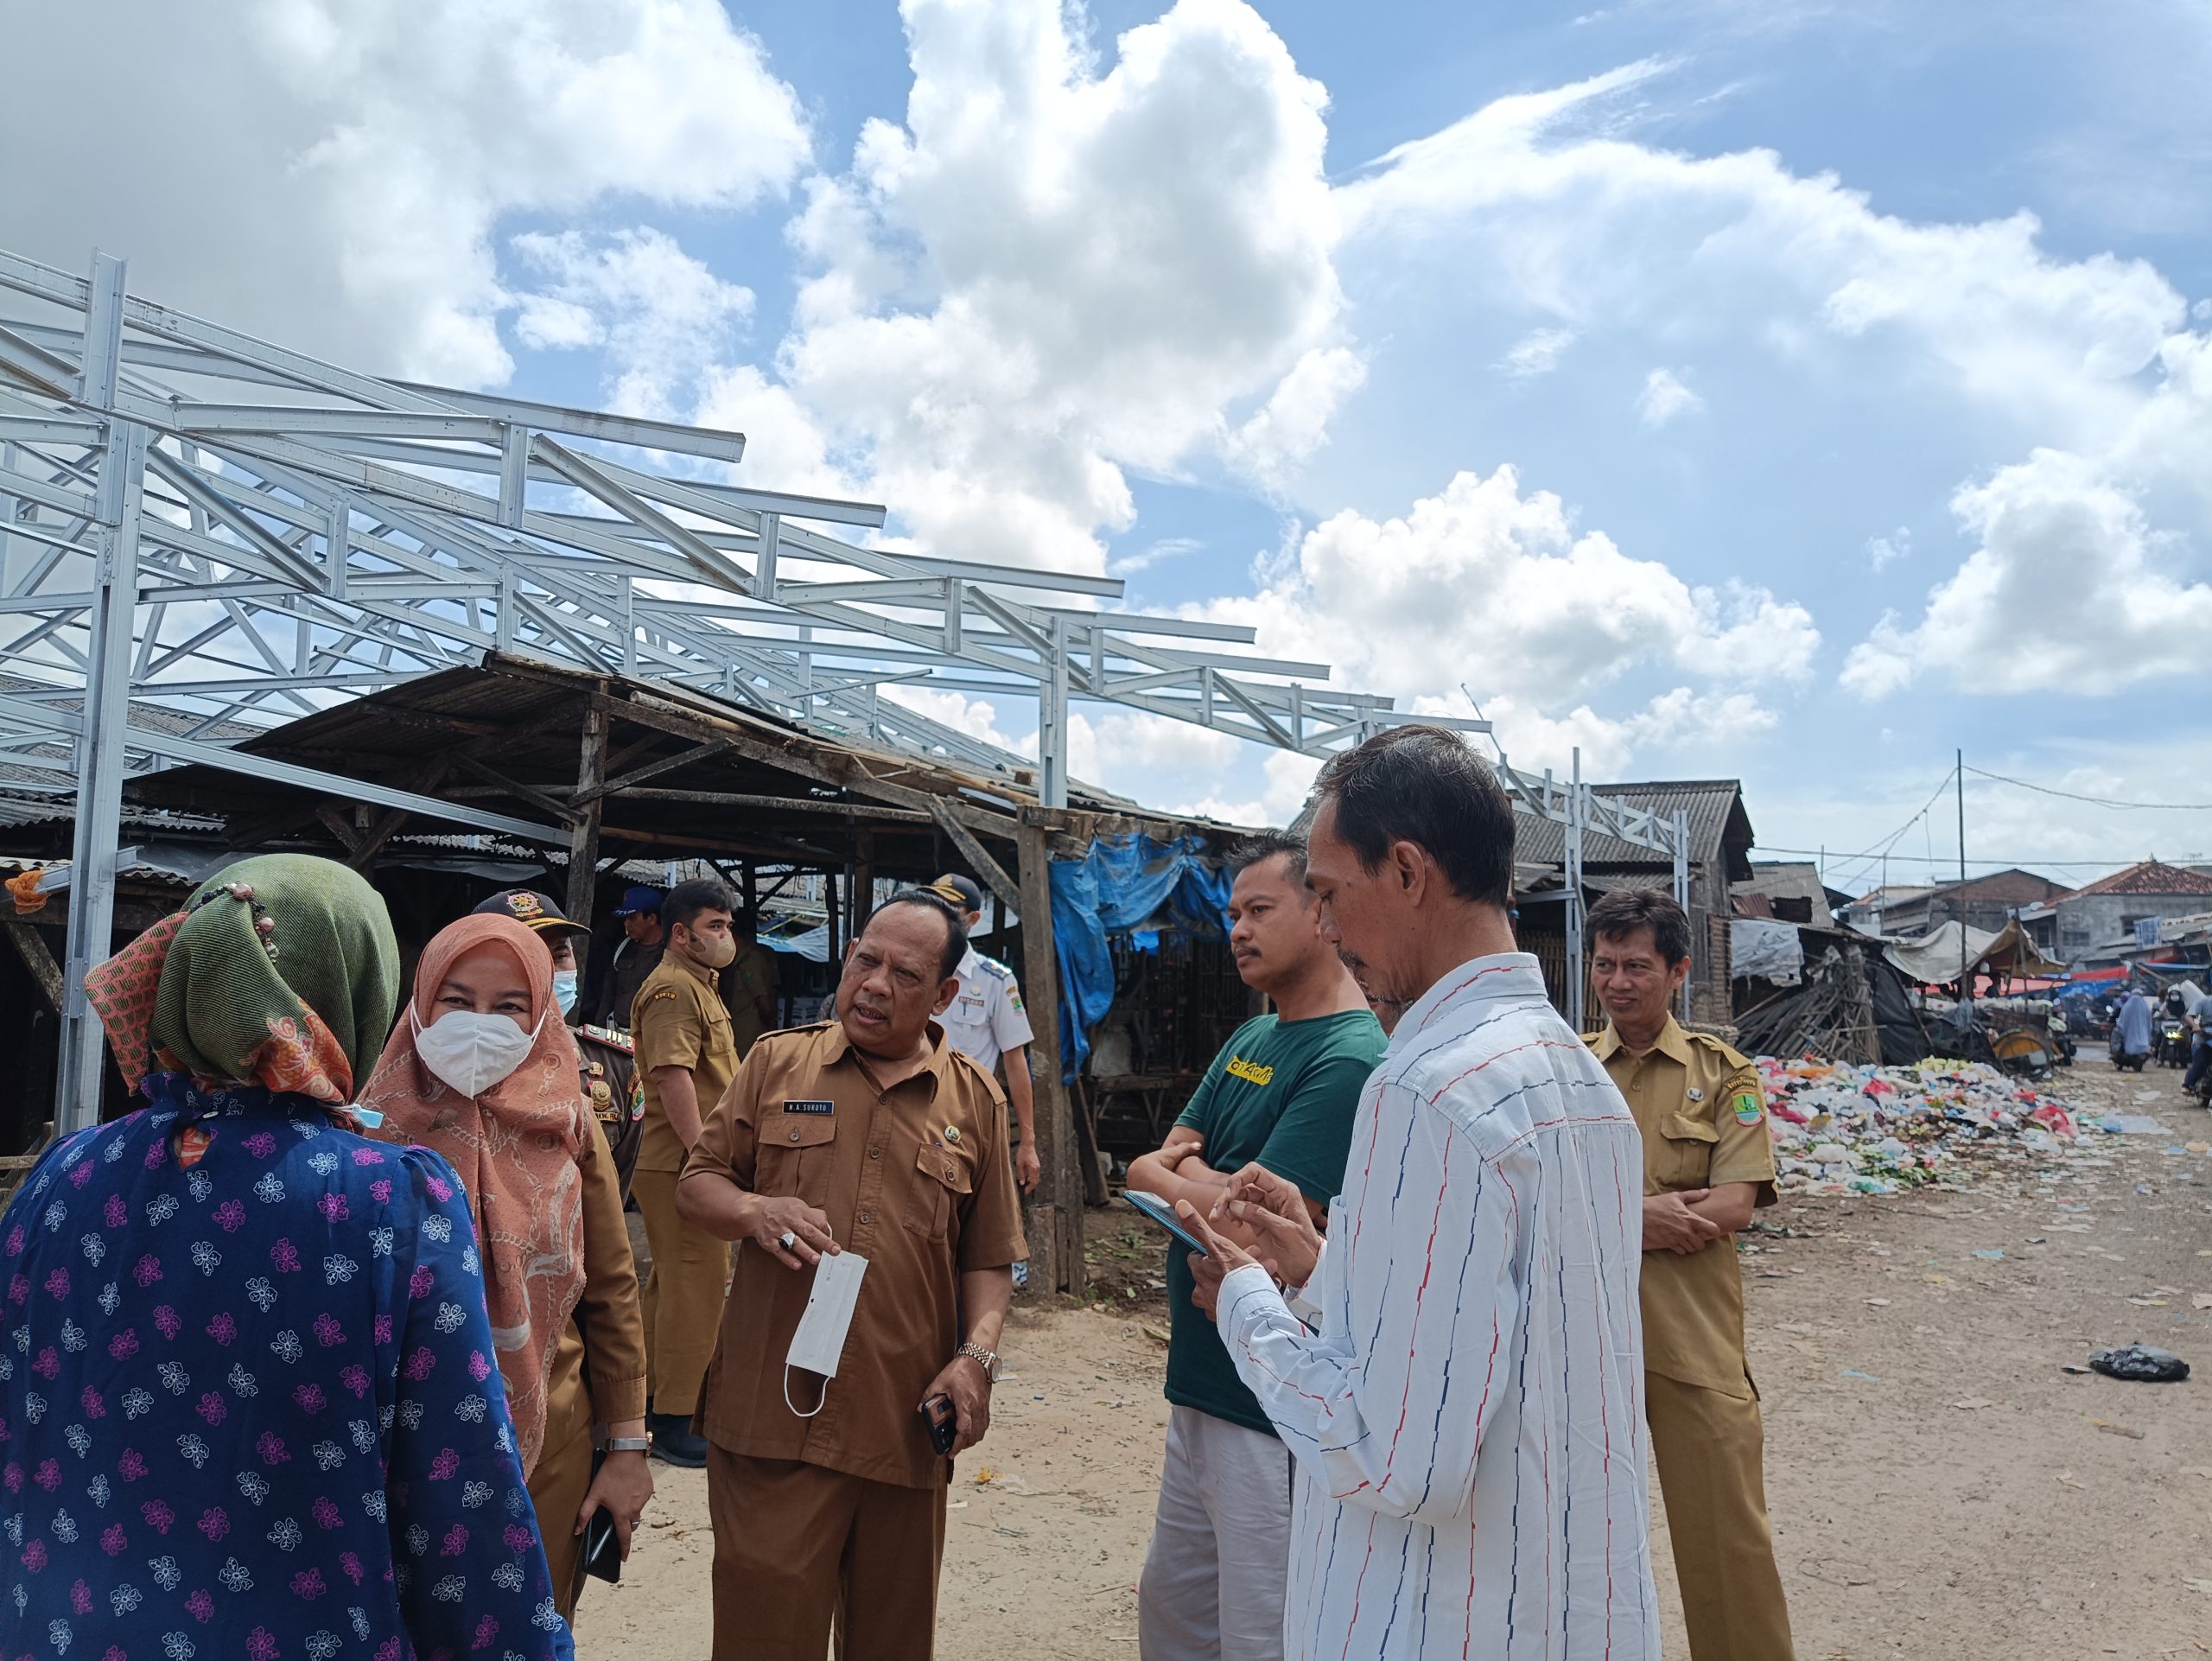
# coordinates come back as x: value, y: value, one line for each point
x: 1164, y: 1214
x: 944, y: 1421
x: 602, y: 1555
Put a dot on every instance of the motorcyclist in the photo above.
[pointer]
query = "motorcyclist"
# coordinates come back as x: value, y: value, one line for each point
x: 2131, y: 1030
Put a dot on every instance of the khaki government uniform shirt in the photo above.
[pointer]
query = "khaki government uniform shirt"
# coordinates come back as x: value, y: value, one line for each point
x: 918, y: 1179
x: 1703, y: 1115
x: 678, y: 1022
x: 613, y: 1328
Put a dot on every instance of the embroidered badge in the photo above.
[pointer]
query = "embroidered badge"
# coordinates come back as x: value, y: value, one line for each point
x: 1747, y: 1109
x: 809, y: 1107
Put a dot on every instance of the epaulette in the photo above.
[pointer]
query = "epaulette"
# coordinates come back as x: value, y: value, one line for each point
x: 612, y: 1037
x: 995, y: 966
x: 1734, y: 1056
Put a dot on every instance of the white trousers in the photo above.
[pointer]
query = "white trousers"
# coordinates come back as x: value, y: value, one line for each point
x: 1213, y: 1580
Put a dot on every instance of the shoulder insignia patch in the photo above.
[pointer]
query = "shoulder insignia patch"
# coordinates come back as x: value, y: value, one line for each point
x: 993, y: 966
x: 667, y: 993
x: 1748, y: 1110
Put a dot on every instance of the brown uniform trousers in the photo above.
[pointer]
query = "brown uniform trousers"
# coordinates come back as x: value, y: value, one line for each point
x: 1702, y: 1110
x: 598, y: 1371
x: 678, y: 1021
x: 796, y: 1544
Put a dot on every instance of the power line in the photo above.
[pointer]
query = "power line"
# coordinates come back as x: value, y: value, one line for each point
x: 1952, y: 858
x: 2094, y: 801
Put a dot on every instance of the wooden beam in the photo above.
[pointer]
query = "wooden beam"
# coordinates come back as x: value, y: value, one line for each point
x: 993, y: 874
x: 853, y: 812
x: 583, y: 829
x: 521, y: 791
x: 651, y: 770
x: 372, y: 840
x: 1056, y: 1214
x: 780, y: 848
x: 31, y: 947
x: 853, y: 777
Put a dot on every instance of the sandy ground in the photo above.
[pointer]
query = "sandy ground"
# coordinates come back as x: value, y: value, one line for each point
x: 1939, y: 1486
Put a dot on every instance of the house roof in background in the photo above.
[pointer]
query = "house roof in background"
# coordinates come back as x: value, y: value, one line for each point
x: 1719, y: 828
x: 2148, y: 876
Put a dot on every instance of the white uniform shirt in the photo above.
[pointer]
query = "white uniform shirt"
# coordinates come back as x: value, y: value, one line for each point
x: 985, y: 1018
x: 1468, y: 1423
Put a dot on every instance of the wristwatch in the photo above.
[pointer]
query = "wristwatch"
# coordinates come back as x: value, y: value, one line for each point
x: 987, y: 1358
x: 628, y: 1445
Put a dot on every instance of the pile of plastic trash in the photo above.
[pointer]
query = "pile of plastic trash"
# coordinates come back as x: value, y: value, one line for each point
x: 1841, y: 1128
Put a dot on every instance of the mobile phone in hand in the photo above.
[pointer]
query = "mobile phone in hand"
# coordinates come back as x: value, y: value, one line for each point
x: 944, y: 1421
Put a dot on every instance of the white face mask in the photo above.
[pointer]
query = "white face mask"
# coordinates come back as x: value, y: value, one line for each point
x: 564, y: 989
x: 469, y: 1052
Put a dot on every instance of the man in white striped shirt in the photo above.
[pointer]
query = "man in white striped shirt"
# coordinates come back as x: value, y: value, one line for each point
x: 1467, y: 1410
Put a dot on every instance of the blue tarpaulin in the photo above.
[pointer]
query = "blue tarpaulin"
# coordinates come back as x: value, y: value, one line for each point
x: 1123, y: 884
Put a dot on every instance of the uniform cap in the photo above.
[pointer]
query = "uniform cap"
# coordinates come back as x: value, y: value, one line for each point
x: 638, y: 899
x: 964, y: 892
x: 532, y: 910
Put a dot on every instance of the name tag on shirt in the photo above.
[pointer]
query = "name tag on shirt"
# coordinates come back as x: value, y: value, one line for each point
x: 809, y: 1107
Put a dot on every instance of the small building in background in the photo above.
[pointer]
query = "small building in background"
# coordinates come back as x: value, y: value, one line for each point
x: 2105, y: 919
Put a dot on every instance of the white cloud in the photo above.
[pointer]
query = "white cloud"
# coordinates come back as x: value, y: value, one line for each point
x: 1294, y: 421
x: 656, y: 315
x: 1664, y: 398
x: 1530, y: 202
x: 1157, y: 553
x: 1886, y: 550
x: 2072, y: 582
x: 1059, y: 269
x: 1483, y: 583
x: 1537, y: 352
x: 368, y: 154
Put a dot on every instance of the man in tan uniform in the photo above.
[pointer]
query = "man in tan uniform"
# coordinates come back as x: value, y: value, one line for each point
x: 871, y: 1135
x: 686, y: 1055
x: 1708, y: 1162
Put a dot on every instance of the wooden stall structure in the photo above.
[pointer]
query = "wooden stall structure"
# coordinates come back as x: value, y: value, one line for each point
x: 625, y: 770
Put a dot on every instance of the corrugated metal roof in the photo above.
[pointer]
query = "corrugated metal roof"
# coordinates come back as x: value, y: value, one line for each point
x: 1719, y: 828
x: 1772, y: 880
x: 2150, y: 876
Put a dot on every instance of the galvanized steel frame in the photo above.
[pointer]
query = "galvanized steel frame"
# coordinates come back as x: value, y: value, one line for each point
x: 235, y: 533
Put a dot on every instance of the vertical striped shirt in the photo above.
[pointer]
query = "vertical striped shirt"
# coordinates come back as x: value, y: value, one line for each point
x: 1468, y: 1421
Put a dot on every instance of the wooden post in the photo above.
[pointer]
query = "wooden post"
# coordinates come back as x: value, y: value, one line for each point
x: 863, y: 879
x: 1056, y: 1214
x: 583, y: 830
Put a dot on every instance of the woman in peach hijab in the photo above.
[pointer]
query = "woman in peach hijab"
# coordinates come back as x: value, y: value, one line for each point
x: 483, y: 1071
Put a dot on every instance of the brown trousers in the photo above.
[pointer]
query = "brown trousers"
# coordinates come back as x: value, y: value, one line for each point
x: 1710, y: 1448
x: 797, y: 1545
x: 682, y: 1296
x: 557, y: 1486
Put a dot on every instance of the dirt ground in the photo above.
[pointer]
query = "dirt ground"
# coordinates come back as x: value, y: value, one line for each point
x: 1939, y: 1486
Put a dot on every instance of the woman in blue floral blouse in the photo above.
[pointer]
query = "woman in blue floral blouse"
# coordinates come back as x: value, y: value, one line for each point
x: 249, y: 1401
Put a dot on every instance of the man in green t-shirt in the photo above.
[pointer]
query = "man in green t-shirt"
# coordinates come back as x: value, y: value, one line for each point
x: 1282, y: 1092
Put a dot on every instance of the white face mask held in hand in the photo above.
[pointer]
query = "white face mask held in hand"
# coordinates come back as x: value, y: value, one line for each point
x: 820, y: 1337
x: 471, y: 1052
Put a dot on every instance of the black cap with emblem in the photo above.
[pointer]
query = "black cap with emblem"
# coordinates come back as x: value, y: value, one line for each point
x: 532, y: 910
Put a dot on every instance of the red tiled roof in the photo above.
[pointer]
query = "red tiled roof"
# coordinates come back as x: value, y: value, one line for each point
x: 2151, y: 876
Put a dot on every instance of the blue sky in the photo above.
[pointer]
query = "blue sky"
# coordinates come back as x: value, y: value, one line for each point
x: 1789, y: 392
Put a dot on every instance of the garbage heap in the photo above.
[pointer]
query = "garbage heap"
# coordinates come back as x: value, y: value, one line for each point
x: 1840, y: 1127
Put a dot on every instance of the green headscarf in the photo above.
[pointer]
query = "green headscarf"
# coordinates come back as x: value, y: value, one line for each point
x: 231, y: 973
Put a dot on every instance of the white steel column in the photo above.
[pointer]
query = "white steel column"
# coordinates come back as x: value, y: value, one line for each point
x: 1683, y: 891
x: 1576, y: 975
x: 107, y: 700
x: 1053, y: 719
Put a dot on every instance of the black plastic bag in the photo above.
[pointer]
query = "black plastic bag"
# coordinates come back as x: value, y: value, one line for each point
x: 2139, y: 1364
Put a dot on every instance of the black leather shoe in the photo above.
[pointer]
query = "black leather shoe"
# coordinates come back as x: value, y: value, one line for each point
x: 674, y: 1442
